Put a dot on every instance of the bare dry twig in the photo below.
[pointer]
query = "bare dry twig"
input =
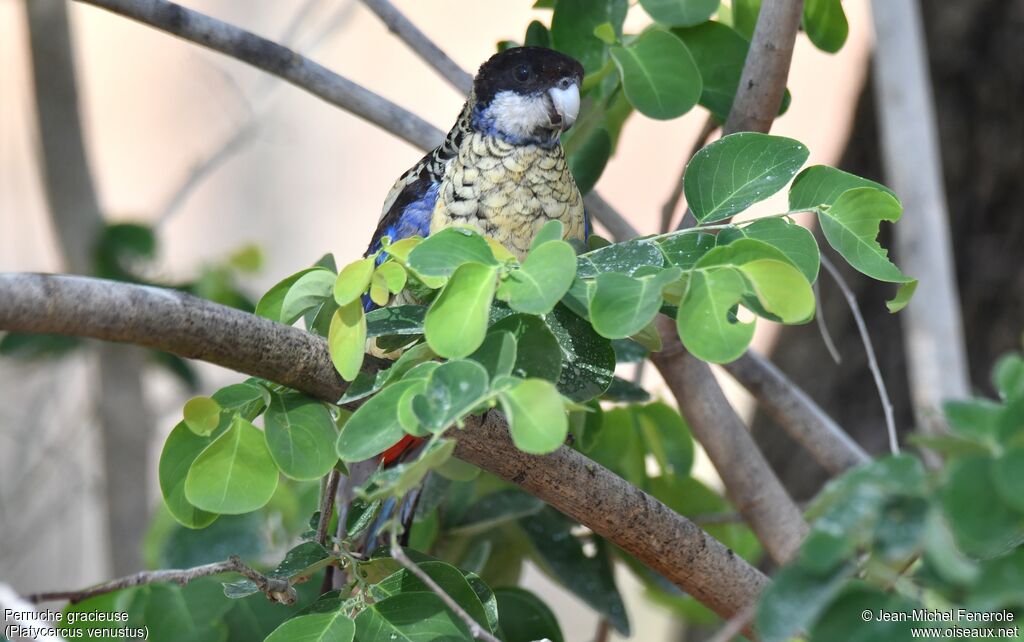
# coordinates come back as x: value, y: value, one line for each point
x: 328, y: 493
x: 277, y: 589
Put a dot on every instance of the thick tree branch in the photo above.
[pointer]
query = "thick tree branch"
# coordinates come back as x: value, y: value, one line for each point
x: 766, y: 69
x: 749, y: 482
x: 190, y: 327
x: 278, y: 60
x: 278, y: 590
x: 423, y: 46
x: 798, y: 414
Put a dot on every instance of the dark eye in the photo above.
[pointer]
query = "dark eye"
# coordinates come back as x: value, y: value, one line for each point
x: 523, y: 73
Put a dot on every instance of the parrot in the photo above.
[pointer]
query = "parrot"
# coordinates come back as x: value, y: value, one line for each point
x: 500, y: 170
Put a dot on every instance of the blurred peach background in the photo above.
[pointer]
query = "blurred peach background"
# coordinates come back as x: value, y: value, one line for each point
x: 311, y: 180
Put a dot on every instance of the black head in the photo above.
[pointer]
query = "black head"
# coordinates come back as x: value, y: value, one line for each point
x: 529, y: 92
x: 525, y: 70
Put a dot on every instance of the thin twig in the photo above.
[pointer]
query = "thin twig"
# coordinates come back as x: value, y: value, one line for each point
x: 477, y: 630
x: 277, y: 589
x: 819, y: 319
x: 279, y: 61
x: 616, y: 224
x: 421, y: 44
x: 876, y: 372
x: 328, y: 492
x: 669, y: 208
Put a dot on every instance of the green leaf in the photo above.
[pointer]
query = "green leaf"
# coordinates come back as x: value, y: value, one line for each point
x: 235, y: 474
x: 744, y: 14
x: 1008, y: 477
x: 738, y: 170
x: 456, y: 323
x: 316, y: 627
x: 667, y: 437
x: 396, y: 481
x: 308, y: 292
x: 680, y: 13
x: 524, y: 617
x: 843, y: 619
x: 497, y: 354
x: 589, y: 577
x: 795, y: 599
x: 191, y: 612
x: 706, y: 324
x: 353, y: 281
x: 374, y: 426
x: 397, y: 319
x: 903, y: 296
x: 825, y: 24
x: 588, y: 162
x: 270, y: 306
x: 850, y: 225
x: 622, y: 305
x: 300, y: 435
x: 536, y: 416
x: 543, y: 279
x: 442, y: 253
x: 627, y: 258
x: 247, y: 398
x: 572, y: 31
x: 781, y: 289
x: 452, y: 391
x: 394, y: 276
x: 449, y: 578
x: 537, y: 350
x: 410, y: 617
x: 537, y: 35
x: 347, y: 339
x: 794, y: 241
x: 495, y: 509
x: 719, y: 52
x: 202, y: 415
x: 553, y: 230
x: 623, y: 390
x: 588, y: 359
x: 982, y: 529
x: 1008, y: 376
x: 685, y: 248
x: 658, y: 74
x: 180, y: 450
x: 822, y: 185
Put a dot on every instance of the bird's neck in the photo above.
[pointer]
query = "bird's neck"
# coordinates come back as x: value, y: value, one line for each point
x: 483, y: 121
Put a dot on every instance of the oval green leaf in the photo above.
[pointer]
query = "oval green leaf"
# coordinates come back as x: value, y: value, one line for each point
x: 705, y: 320
x: 456, y: 322
x: 374, y: 427
x: 300, y: 435
x: 333, y: 626
x: 623, y: 305
x: 442, y: 253
x: 305, y: 294
x: 181, y: 449
x: 680, y: 13
x: 825, y: 23
x: 781, y: 289
x: 353, y: 281
x: 233, y: 475
x: 658, y: 74
x: 346, y: 339
x: 536, y: 416
x: 738, y: 170
x: 543, y: 279
x: 850, y: 226
x: 202, y: 415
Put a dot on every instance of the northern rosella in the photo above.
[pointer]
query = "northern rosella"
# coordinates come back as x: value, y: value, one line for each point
x: 501, y: 169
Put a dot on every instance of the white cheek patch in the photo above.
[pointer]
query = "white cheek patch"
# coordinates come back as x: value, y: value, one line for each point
x: 567, y: 103
x: 518, y: 115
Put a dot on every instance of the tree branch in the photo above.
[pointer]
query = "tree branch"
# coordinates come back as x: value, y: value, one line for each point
x: 749, y: 482
x: 766, y: 69
x: 796, y: 413
x: 191, y: 327
x: 424, y: 47
x: 276, y: 589
x: 328, y: 493
x: 280, y: 61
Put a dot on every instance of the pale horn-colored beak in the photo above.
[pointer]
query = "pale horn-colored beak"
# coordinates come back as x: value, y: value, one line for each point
x: 566, y: 100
